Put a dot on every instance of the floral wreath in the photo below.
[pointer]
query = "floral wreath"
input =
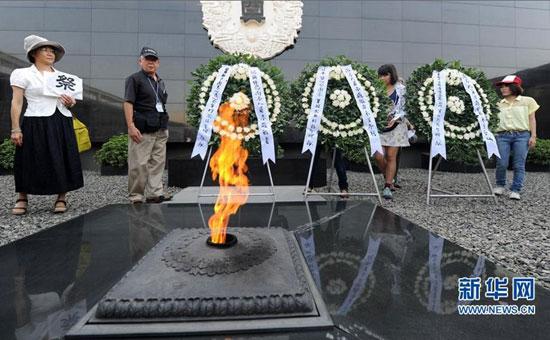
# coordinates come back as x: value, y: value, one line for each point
x: 240, y: 101
x: 341, y: 123
x: 454, y: 104
x: 238, y: 93
x: 462, y: 133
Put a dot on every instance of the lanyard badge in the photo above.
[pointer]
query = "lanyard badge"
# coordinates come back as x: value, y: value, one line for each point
x: 159, y: 106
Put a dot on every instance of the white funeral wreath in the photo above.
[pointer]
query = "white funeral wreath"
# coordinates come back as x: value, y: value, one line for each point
x: 340, y: 99
x: 454, y: 104
x: 239, y: 101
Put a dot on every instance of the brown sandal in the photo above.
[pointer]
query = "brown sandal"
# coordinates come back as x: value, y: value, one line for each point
x: 18, y: 211
x: 58, y: 209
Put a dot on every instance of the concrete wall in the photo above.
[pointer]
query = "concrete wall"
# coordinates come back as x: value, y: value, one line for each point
x: 103, y: 38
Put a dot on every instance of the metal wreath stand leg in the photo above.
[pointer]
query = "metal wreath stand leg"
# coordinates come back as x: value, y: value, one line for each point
x: 307, y: 193
x: 446, y: 193
x: 271, y: 187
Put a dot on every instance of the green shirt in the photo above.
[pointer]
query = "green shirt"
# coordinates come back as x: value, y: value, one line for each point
x: 514, y: 116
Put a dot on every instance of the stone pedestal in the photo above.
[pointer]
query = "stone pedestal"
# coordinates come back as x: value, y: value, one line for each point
x: 182, y: 286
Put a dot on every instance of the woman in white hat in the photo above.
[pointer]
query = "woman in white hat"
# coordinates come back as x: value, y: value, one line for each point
x: 47, y: 161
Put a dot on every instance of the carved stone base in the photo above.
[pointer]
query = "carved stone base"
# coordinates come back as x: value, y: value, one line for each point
x: 182, y: 286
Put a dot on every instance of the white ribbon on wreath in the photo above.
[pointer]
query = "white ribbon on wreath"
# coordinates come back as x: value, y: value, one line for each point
x: 440, y: 106
x: 262, y: 113
x: 362, y: 99
x: 488, y: 137
x: 210, y: 112
x: 316, y: 110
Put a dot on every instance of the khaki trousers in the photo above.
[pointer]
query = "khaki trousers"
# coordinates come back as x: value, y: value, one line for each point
x: 146, y: 161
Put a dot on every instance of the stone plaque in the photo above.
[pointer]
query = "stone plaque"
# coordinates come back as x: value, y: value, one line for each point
x: 261, y: 28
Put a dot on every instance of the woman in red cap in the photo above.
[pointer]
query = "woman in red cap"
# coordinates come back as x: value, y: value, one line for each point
x: 516, y: 133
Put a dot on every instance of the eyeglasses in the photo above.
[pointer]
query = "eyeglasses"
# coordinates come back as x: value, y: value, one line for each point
x: 47, y: 49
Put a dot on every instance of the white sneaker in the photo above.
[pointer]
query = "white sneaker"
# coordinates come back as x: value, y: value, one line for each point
x: 515, y: 196
x: 499, y: 190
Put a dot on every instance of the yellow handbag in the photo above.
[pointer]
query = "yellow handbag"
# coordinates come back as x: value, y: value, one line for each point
x: 82, y: 135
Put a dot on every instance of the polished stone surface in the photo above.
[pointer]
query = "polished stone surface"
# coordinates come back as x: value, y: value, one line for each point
x: 380, y: 275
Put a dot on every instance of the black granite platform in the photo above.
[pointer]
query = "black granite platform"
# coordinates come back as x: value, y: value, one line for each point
x: 380, y: 276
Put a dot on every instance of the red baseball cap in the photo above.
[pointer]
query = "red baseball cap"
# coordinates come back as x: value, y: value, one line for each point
x: 511, y: 79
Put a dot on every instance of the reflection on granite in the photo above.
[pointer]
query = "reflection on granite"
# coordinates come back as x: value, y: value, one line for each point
x: 380, y: 275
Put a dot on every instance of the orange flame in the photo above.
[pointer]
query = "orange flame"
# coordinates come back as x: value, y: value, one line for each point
x: 229, y: 164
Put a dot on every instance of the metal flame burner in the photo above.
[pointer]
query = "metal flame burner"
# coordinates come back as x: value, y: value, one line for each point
x: 230, y: 241
x: 184, y: 286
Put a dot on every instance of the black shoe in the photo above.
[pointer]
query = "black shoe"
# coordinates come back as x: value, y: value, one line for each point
x: 154, y: 200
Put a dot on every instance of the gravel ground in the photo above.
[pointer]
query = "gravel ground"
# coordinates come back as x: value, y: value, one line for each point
x: 516, y: 234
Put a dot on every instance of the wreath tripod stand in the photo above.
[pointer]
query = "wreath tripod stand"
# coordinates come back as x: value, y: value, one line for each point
x: 329, y: 193
x: 446, y: 193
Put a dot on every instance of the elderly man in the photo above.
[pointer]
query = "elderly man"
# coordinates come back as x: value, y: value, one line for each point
x: 147, y: 121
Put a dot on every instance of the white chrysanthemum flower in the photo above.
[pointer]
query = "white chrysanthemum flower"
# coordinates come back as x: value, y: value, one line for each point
x: 367, y: 83
x: 332, y: 96
x: 305, y: 106
x: 216, y: 128
x: 307, y: 111
x: 239, y: 129
x: 201, y: 107
x: 202, y: 95
x: 239, y: 101
x: 455, y: 104
x: 421, y: 93
x: 344, y: 134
